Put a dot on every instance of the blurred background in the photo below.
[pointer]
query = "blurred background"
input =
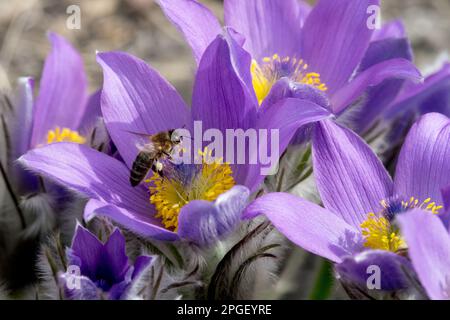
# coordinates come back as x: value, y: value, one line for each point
x: 139, y: 27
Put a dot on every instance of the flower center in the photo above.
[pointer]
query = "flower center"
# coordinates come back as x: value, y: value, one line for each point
x: 379, y: 231
x: 64, y: 135
x: 183, y: 183
x: 266, y: 74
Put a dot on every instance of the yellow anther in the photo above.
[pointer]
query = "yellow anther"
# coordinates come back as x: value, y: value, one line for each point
x: 64, y: 135
x: 273, y: 68
x: 169, y: 195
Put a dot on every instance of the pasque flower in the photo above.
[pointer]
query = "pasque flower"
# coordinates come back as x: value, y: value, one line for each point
x: 398, y: 98
x: 356, y: 228
x: 61, y: 110
x: 429, y: 248
x: 297, y: 51
x: 99, y: 269
x: 188, y: 203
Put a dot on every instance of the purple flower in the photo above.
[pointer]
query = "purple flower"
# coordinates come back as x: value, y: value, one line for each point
x: 95, y: 268
x: 62, y: 103
x: 357, y: 226
x: 136, y: 99
x: 429, y: 249
x: 299, y: 52
x: 395, y: 98
x: 61, y: 109
x: 430, y: 96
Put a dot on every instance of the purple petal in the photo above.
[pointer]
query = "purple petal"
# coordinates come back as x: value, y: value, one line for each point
x: 385, y: 50
x: 220, y: 98
x: 379, y: 97
x: 391, y: 69
x: 91, y: 206
x: 118, y: 290
x: 341, y: 27
x: 21, y: 133
x: 429, y: 250
x: 93, y: 111
x: 423, y: 168
x: 305, y: 10
x: 136, y: 99
x: 141, y: 263
x: 446, y: 197
x: 393, y: 29
x: 115, y: 258
x: 87, y: 291
x: 285, y: 118
x: 63, y: 92
x: 307, y: 225
x: 269, y: 27
x: 143, y: 223
x: 88, y: 249
x: 203, y: 222
x: 285, y: 88
x: 196, y: 22
x: 429, y: 96
x: 351, y: 179
x: 356, y: 269
x: 241, y: 60
x: 90, y: 172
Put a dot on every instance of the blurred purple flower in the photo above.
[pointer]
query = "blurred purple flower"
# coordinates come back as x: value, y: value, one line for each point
x: 361, y: 201
x: 398, y: 98
x: 296, y: 51
x: 60, y: 111
x: 136, y: 99
x: 433, y: 95
x: 103, y: 268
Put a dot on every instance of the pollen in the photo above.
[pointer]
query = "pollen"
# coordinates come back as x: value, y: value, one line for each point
x: 186, y: 182
x: 379, y: 230
x: 271, y: 69
x: 64, y: 135
x: 427, y: 205
x: 380, y: 234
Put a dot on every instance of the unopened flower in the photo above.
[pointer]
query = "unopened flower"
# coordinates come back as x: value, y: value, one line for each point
x: 97, y: 269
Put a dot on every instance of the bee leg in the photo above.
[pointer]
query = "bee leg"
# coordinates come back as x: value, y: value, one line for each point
x: 157, y: 167
x: 167, y: 155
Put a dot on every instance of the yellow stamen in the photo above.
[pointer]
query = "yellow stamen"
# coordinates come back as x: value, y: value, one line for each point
x: 64, y: 135
x: 425, y: 205
x: 273, y: 68
x: 169, y: 195
x: 380, y: 234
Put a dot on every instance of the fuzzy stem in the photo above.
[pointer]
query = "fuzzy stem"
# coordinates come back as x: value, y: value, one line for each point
x: 13, y: 197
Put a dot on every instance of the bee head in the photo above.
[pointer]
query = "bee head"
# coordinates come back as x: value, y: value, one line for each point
x: 175, y: 136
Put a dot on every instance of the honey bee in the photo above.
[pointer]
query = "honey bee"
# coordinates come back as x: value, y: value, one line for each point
x: 160, y: 146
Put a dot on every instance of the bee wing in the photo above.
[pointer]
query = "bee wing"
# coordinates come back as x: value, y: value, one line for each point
x: 143, y: 140
x: 141, y: 135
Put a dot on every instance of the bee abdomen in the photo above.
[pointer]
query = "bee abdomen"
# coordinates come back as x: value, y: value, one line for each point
x: 140, y: 168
